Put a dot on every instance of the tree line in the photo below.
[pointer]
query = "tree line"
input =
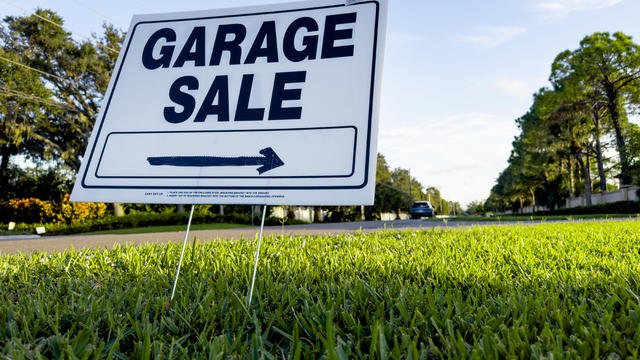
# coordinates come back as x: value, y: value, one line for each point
x: 51, y: 88
x: 576, y: 138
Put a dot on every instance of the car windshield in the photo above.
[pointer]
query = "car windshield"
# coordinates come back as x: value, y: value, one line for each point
x: 421, y: 204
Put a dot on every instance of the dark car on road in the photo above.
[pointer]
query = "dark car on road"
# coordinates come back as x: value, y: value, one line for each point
x: 420, y: 209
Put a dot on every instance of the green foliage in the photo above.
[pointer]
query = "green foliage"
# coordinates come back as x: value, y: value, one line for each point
x: 548, y: 291
x: 21, y: 109
x: 151, y: 208
x: 81, y: 74
x: 607, y: 65
x: 343, y: 214
x: 390, y: 195
x: 390, y: 199
x: 476, y: 208
x: 618, y: 207
x: 32, y: 210
x: 49, y: 183
x: 565, y: 135
x: 27, y: 210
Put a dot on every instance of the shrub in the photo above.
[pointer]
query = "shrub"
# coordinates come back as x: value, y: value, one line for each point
x: 34, y: 210
x: 618, y: 207
x: 71, y: 212
x: 29, y: 210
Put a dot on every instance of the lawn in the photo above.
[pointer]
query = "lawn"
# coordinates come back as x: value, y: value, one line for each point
x: 14, y: 232
x: 168, y: 228
x: 544, y: 291
x: 511, y: 218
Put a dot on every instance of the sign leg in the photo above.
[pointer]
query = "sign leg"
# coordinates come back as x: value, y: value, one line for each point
x: 186, y: 235
x: 255, y: 266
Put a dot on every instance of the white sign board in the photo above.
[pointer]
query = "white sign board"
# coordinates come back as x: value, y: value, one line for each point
x: 267, y: 105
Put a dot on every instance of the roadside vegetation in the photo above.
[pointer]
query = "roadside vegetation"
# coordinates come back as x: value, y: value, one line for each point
x: 561, y: 291
x: 577, y: 137
x: 148, y: 222
x: 540, y: 218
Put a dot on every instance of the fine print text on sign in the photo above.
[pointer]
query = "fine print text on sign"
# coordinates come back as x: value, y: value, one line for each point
x: 267, y: 105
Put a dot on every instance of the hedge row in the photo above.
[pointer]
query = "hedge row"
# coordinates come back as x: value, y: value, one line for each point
x: 33, y: 210
x: 141, y: 220
x: 619, y: 207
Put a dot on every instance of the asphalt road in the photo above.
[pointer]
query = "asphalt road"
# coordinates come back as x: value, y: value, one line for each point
x: 12, y: 245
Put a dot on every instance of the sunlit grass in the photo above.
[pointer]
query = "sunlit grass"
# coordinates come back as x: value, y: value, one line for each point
x: 168, y: 228
x: 541, y: 218
x: 552, y: 290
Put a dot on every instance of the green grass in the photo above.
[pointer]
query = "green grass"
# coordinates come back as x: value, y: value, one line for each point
x: 167, y: 228
x: 137, y: 220
x: 498, y: 218
x: 15, y: 232
x: 546, y: 291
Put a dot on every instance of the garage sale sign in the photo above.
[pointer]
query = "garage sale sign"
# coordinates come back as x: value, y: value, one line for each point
x: 270, y: 105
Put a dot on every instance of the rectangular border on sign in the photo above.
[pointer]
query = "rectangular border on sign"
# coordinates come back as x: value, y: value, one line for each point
x: 353, y: 156
x: 370, y: 112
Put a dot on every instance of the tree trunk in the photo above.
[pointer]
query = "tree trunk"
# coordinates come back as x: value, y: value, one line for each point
x: 317, y: 214
x: 521, y: 205
x: 570, y: 176
x: 587, y: 178
x: 533, y: 197
x: 588, y: 165
x: 118, y: 210
x: 601, y: 174
x: 598, y: 151
x: 362, y: 217
x: 4, y: 165
x: 180, y: 208
x: 291, y: 212
x: 220, y: 209
x: 612, y: 104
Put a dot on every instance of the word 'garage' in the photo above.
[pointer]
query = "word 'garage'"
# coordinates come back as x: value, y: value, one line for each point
x: 164, y: 49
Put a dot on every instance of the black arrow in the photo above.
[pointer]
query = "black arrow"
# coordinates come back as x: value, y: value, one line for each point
x: 269, y: 161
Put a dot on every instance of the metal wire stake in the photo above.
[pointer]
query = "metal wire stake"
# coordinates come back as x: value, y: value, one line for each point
x: 255, y: 266
x: 186, y: 235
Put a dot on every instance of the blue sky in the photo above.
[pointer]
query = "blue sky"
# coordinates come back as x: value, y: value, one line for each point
x: 456, y: 74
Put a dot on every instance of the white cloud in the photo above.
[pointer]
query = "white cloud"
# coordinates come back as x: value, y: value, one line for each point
x: 492, y: 36
x: 461, y: 155
x: 554, y: 10
x: 514, y: 87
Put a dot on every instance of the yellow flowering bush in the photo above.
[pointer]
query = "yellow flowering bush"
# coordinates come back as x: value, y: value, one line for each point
x: 32, y: 210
